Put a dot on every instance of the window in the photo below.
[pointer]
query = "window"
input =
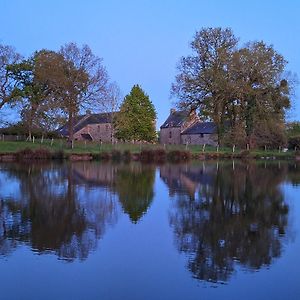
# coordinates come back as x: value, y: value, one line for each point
x: 107, y: 127
x: 201, y: 135
x: 170, y: 134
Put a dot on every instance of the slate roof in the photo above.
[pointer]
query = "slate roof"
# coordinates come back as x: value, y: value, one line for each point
x: 201, y: 128
x: 176, y: 119
x: 84, y: 120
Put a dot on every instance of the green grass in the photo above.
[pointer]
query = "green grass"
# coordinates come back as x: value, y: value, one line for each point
x: 93, y: 147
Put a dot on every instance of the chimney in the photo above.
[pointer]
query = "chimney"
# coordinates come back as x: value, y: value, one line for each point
x: 172, y: 111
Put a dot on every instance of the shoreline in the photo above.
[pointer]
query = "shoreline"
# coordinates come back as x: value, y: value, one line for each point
x: 143, y: 156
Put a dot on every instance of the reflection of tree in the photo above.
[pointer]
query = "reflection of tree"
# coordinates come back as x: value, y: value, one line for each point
x: 65, y: 208
x: 236, y: 215
x: 51, y: 215
x: 134, y: 186
x: 132, y: 183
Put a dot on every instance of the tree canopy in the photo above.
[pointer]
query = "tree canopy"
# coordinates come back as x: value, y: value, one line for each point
x: 136, y: 119
x: 52, y: 86
x: 241, y: 86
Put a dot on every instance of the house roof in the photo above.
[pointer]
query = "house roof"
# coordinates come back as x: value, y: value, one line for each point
x: 176, y: 119
x: 201, y: 128
x: 84, y: 120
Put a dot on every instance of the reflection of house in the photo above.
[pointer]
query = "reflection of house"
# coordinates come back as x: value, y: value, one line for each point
x: 91, y: 127
x: 186, y: 179
x: 91, y: 174
x: 184, y: 127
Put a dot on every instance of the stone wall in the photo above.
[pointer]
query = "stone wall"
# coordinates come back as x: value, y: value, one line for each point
x: 170, y: 135
x: 199, y: 139
x: 98, y: 132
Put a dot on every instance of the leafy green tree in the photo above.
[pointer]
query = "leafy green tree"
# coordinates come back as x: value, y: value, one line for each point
x: 136, y: 119
x: 32, y: 93
x: 202, y: 81
x: 76, y: 78
x: 235, y: 85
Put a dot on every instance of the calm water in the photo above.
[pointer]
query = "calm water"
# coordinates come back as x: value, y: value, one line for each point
x: 114, y: 231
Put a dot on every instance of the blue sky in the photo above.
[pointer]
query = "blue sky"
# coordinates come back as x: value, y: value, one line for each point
x: 142, y: 41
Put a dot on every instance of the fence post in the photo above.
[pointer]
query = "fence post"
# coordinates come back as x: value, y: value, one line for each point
x: 42, y: 140
x: 51, y: 142
x: 233, y: 148
x: 218, y: 148
x: 203, y: 148
x: 33, y: 139
x: 248, y: 147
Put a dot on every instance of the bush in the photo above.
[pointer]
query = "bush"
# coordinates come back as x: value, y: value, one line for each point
x: 104, y: 156
x: 177, y: 156
x: 58, y: 154
x: 153, y: 155
x: 41, y: 153
x: 244, y: 153
x: 160, y: 155
x: 294, y: 142
x: 127, y: 156
x: 116, y: 155
x: 26, y: 153
x: 146, y: 155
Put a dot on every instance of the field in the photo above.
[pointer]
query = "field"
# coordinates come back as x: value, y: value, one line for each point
x: 93, y: 147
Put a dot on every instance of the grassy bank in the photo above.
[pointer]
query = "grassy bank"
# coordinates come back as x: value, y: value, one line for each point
x: 95, y: 149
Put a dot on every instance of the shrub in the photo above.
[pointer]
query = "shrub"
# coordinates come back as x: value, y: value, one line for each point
x: 41, y: 153
x: 104, y: 156
x: 177, y: 156
x: 26, y: 153
x: 244, y: 153
x: 116, y: 155
x: 160, y: 155
x: 127, y: 156
x: 153, y: 155
x: 146, y: 156
x: 294, y: 142
x: 58, y: 154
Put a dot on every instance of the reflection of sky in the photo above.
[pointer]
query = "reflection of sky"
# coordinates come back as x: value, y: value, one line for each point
x: 9, y: 187
x: 141, y: 261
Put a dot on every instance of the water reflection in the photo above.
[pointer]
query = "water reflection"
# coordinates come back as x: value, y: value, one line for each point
x: 228, y: 214
x: 65, y: 209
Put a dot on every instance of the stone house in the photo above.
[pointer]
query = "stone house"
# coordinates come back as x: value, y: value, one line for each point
x: 185, y: 127
x: 91, y: 127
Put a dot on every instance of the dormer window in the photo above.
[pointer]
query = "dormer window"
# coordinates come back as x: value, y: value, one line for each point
x: 170, y: 134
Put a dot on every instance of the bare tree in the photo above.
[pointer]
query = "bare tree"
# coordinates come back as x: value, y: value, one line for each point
x: 77, y: 79
x: 8, y: 56
x: 111, y: 103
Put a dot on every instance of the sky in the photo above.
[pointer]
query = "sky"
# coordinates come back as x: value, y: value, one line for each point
x: 142, y: 41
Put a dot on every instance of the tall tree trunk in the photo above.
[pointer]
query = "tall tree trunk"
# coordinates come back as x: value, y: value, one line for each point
x: 71, y: 128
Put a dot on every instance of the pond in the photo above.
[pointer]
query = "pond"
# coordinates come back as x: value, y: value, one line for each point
x: 198, y: 230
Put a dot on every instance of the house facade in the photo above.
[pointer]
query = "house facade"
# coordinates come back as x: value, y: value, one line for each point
x: 185, y: 127
x: 92, y: 127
